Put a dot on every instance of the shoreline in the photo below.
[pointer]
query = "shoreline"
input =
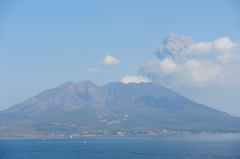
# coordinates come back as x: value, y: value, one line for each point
x: 93, y: 136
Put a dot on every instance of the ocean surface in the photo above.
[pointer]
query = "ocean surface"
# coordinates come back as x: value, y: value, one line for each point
x: 225, y: 146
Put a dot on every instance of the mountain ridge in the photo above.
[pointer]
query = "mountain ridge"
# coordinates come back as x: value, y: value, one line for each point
x: 85, y: 108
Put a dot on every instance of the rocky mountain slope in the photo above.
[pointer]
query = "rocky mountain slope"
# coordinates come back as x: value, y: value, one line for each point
x: 84, y: 108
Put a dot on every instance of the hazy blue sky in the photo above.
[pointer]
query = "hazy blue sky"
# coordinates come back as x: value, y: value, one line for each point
x: 46, y: 43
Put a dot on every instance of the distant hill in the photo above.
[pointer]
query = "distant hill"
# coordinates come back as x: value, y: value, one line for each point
x: 83, y: 108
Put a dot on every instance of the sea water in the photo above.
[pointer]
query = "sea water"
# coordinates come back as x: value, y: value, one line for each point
x: 214, y: 146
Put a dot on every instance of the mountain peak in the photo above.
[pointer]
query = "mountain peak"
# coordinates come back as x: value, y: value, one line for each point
x: 86, y: 83
x: 85, y: 107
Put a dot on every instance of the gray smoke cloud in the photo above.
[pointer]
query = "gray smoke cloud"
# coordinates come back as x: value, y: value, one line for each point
x: 180, y: 60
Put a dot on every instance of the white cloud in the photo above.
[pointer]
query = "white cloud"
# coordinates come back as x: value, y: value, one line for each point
x: 179, y: 46
x: 200, y: 72
x: 200, y: 48
x: 182, y: 61
x: 220, y: 45
x: 224, y: 44
x: 190, y: 72
x: 110, y: 60
x: 229, y: 57
x: 166, y: 66
x: 134, y: 79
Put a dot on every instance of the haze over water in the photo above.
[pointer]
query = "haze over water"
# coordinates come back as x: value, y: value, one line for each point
x: 224, y: 146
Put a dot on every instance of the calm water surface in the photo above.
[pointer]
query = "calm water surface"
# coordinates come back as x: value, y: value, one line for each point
x: 225, y: 146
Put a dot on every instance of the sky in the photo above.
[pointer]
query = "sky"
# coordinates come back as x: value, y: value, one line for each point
x: 189, y: 46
